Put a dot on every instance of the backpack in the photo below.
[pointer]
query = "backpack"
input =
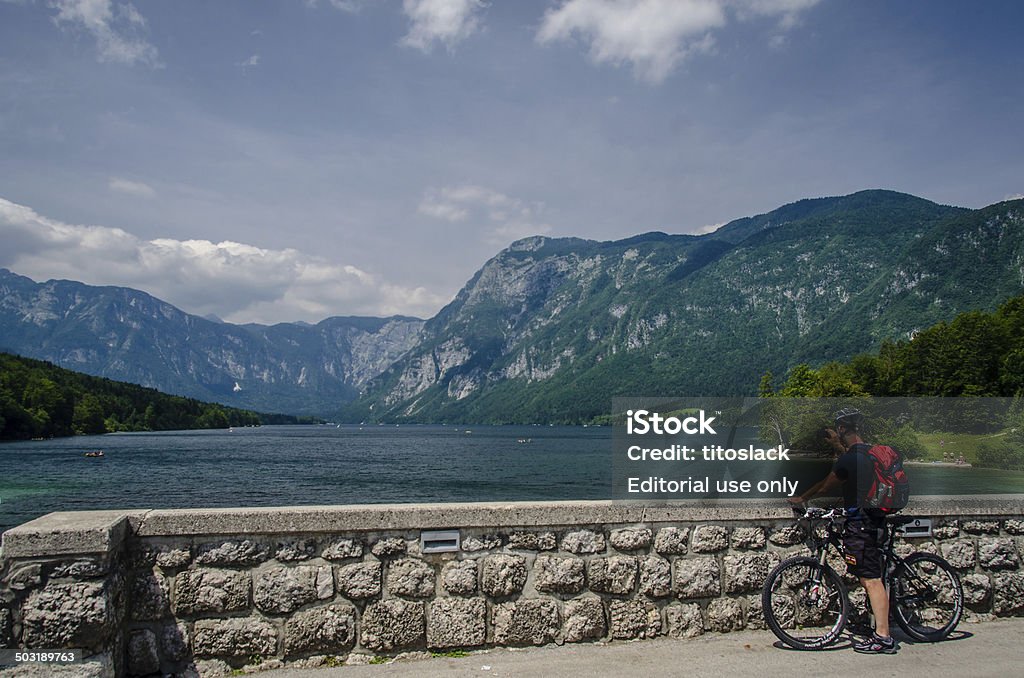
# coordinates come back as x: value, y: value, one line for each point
x: 889, y: 489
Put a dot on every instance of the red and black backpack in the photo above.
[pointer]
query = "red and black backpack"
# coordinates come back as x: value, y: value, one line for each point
x: 889, y: 489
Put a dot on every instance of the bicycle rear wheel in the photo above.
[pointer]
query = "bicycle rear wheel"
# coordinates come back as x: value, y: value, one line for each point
x: 927, y: 598
x: 805, y: 603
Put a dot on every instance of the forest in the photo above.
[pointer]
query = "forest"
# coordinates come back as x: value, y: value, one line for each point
x: 967, y: 377
x: 40, y: 400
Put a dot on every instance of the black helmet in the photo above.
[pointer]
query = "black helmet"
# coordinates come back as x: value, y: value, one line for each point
x: 849, y: 417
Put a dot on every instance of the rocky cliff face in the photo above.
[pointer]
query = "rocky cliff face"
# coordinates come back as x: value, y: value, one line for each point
x: 552, y: 329
x: 128, y: 335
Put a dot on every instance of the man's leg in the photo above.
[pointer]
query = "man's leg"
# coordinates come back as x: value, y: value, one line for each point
x: 879, y: 599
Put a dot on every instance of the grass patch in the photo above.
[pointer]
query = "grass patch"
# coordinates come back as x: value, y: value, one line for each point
x: 955, y: 444
x: 380, y: 660
x: 452, y: 654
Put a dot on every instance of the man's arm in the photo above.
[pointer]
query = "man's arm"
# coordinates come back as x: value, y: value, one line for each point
x: 823, y: 486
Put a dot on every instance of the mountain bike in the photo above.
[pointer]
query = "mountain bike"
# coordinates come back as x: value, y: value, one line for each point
x: 806, y: 604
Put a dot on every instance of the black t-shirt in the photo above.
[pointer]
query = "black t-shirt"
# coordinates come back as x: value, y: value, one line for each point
x: 856, y: 469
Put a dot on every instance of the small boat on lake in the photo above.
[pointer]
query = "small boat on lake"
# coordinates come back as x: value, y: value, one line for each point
x: 97, y: 453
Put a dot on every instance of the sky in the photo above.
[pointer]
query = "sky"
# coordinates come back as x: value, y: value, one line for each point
x: 274, y: 161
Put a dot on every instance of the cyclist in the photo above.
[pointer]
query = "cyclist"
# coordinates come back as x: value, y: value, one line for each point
x: 864, y: 528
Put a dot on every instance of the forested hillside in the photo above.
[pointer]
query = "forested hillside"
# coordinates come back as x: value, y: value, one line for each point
x: 976, y: 354
x: 39, y: 400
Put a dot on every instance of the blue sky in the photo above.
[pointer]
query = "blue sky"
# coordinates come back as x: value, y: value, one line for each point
x: 274, y: 161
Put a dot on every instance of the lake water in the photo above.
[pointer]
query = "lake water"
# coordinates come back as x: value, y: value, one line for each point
x: 305, y: 465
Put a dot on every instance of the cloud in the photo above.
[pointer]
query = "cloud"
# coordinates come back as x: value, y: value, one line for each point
x: 708, y: 228
x: 136, y: 188
x: 236, y: 281
x: 254, y: 60
x: 655, y: 36
x: 506, y: 219
x: 444, y: 21
x: 117, y: 29
x: 1013, y: 196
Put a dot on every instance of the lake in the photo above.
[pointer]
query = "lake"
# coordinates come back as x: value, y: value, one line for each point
x: 306, y: 465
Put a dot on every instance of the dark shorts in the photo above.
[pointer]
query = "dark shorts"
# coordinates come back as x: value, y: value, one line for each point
x: 861, y: 540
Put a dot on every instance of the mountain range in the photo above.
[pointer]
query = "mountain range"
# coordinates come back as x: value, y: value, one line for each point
x: 550, y: 329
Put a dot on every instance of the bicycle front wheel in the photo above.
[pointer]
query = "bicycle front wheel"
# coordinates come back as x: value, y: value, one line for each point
x: 927, y: 598
x: 805, y: 603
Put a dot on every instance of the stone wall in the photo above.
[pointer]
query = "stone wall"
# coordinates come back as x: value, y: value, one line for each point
x: 205, y: 592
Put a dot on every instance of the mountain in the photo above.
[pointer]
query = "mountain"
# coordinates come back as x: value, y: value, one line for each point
x: 549, y: 330
x: 124, y: 334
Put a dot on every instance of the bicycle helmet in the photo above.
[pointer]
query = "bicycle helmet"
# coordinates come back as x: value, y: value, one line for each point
x: 849, y: 418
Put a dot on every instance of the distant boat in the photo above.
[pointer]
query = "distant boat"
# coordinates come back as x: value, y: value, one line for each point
x: 97, y: 453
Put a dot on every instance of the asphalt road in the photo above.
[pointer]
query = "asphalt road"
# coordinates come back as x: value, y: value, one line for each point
x: 994, y: 648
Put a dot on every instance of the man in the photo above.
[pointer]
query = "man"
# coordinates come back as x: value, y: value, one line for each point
x: 864, y: 528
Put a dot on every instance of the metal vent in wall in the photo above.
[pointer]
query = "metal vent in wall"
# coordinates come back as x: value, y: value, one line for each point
x: 439, y: 541
x: 921, y: 527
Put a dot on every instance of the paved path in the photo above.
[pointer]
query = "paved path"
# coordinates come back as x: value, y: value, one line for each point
x: 989, y: 649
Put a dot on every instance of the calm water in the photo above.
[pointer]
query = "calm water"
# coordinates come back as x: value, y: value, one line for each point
x: 293, y: 465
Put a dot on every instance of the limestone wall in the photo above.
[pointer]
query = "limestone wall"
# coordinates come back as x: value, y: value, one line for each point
x: 187, y: 592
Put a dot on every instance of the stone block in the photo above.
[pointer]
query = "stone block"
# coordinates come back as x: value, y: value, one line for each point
x: 236, y: 553
x: 748, y: 571
x: 630, y: 538
x: 672, y: 541
x: 330, y: 630
x: 1014, y: 527
x: 755, y: 613
x: 1008, y: 594
x: 482, y: 542
x: 174, y: 559
x: 236, y: 637
x: 295, y: 550
x: 946, y: 532
x: 748, y: 538
x: 977, y: 589
x: 724, y: 615
x: 684, y: 621
x: 503, y: 575
x: 981, y: 526
x: 583, y: 541
x: 615, y: 575
x: 143, y: 657
x: 998, y: 554
x: 526, y: 622
x: 89, y: 568
x: 457, y: 622
x: 24, y: 577
x: 339, y: 549
x: 148, y: 596
x: 392, y: 624
x: 552, y: 574
x: 79, y: 614
x: 359, y: 580
x: 655, y: 577
x: 411, y: 577
x: 280, y: 590
x: 388, y: 547
x: 584, y: 620
x: 633, y: 619
x: 960, y: 553
x: 209, y: 590
x: 709, y: 539
x: 458, y: 577
x: 532, y: 541
x: 175, y: 641
x: 696, y: 578
x: 790, y: 535
x: 6, y: 633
